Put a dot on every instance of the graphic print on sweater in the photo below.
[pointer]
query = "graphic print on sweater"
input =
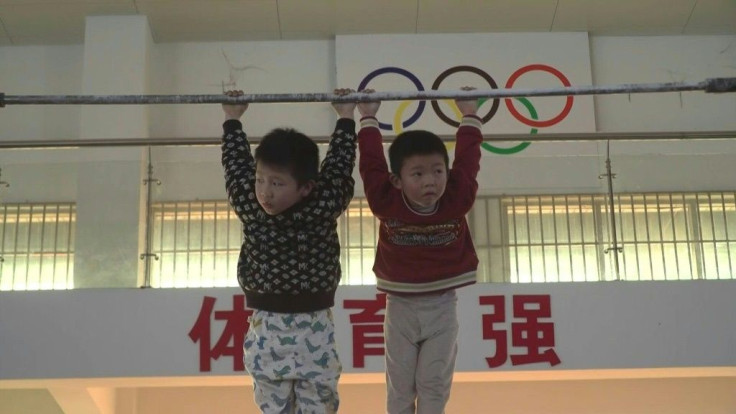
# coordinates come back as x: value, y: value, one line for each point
x: 441, y: 234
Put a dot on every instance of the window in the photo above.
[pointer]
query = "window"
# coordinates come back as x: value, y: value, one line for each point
x: 663, y: 236
x: 196, y: 244
x: 519, y: 239
x: 358, y: 231
x: 37, y: 246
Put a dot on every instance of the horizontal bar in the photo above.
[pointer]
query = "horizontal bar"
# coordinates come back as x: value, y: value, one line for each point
x: 560, y: 137
x: 715, y: 85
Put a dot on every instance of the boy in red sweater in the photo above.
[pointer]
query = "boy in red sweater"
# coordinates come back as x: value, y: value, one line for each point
x: 424, y: 250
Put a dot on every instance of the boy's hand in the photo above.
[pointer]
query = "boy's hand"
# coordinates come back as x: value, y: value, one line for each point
x: 234, y: 111
x: 368, y: 108
x: 467, y: 106
x: 344, y: 109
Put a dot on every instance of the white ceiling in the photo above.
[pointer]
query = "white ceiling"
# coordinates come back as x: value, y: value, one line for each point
x: 28, y: 22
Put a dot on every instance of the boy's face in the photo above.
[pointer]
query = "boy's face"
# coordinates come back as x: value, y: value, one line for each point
x: 422, y: 179
x: 277, y: 189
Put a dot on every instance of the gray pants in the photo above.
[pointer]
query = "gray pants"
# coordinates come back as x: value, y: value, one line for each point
x: 421, y: 346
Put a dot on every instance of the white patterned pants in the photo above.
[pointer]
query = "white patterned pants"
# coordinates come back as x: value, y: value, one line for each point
x: 293, y: 361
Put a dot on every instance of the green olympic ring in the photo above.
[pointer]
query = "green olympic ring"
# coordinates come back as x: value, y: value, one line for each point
x: 521, y: 146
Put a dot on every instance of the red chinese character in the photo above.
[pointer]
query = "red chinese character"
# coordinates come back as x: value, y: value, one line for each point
x: 533, y: 334
x: 498, y: 336
x: 232, y: 337
x: 367, y: 328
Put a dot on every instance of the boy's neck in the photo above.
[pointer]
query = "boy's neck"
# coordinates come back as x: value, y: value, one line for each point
x: 428, y: 210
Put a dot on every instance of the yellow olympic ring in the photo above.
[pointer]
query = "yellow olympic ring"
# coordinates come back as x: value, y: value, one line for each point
x: 405, y: 104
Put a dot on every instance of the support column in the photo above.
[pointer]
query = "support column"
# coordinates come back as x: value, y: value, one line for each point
x: 110, y: 190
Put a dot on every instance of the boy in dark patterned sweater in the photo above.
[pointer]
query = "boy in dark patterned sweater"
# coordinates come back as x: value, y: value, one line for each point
x: 289, y: 265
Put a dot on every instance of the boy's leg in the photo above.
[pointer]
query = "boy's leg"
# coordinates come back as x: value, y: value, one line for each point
x: 436, y: 361
x: 269, y: 364
x: 318, y: 366
x: 401, y: 333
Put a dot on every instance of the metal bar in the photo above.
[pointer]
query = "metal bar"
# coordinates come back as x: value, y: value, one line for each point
x: 609, y: 177
x: 516, y: 236
x: 713, y: 233
x: 636, y: 237
x: 175, y: 248
x: 69, y: 245
x: 201, y: 243
x: 56, y: 245
x: 28, y: 245
x: 42, y: 251
x: 698, y: 237
x: 649, y: 237
x: 146, y: 255
x: 161, y: 243
x: 189, y: 247
x: 348, y: 245
x: 557, y: 137
x: 711, y: 85
x: 3, y: 226
x: 360, y: 240
x: 214, y: 241
x: 541, y: 237
x: 582, y: 235
x: 557, y: 244
x: 661, y: 235
x: 623, y: 233
x: 489, y: 238
x: 725, y: 228
x: 728, y: 244
x: 569, y: 238
x: 674, y: 235
x: 601, y: 208
x: 503, y: 242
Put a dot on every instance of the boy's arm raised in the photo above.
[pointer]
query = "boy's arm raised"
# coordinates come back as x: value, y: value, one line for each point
x: 337, y: 168
x: 467, y: 149
x: 237, y: 160
x: 373, y: 167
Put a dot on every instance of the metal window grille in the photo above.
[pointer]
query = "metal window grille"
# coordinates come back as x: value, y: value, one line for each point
x: 559, y: 238
x: 358, y: 231
x: 519, y: 239
x: 37, y: 246
x: 197, y: 244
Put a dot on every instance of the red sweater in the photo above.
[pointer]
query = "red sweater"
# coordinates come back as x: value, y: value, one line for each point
x: 422, y: 253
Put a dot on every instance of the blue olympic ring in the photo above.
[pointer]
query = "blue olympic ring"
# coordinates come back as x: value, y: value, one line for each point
x: 390, y: 69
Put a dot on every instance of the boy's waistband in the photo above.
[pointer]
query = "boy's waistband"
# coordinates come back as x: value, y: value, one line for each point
x: 288, y: 303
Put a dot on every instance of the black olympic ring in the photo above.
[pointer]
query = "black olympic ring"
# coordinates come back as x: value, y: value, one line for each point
x: 471, y: 69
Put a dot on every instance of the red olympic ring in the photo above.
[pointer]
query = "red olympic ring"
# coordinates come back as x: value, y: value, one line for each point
x: 531, y: 122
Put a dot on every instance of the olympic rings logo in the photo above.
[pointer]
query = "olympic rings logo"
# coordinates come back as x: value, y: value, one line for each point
x: 532, y: 120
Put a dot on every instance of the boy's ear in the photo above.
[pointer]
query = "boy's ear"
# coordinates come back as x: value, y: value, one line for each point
x: 307, y: 188
x: 395, y: 180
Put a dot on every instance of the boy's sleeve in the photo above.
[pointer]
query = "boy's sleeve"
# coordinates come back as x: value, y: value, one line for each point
x: 466, y: 165
x: 336, y: 171
x: 240, y: 169
x: 372, y: 166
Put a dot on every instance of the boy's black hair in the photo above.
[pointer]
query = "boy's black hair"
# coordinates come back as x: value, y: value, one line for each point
x: 416, y: 142
x: 289, y: 148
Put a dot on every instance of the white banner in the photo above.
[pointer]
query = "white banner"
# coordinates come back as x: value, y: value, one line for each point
x: 94, y: 333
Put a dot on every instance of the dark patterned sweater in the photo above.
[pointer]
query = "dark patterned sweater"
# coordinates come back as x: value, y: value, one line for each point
x: 290, y: 262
